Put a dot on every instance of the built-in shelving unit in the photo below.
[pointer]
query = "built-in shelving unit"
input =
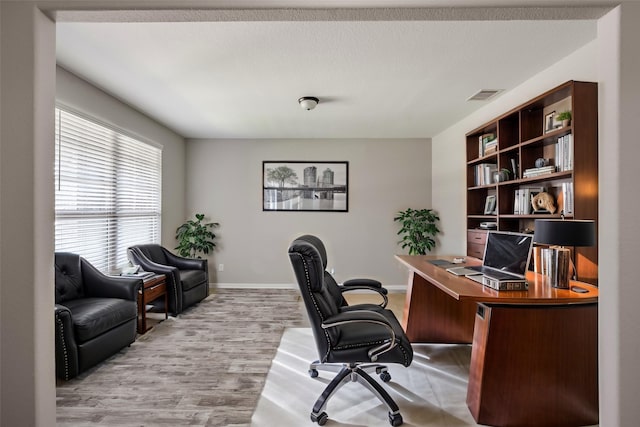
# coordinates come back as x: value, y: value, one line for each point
x: 525, y: 134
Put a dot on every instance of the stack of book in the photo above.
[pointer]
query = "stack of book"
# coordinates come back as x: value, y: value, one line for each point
x: 487, y: 144
x: 522, y: 200
x: 567, y: 198
x: 564, y: 153
x: 484, y: 173
x: 529, y: 173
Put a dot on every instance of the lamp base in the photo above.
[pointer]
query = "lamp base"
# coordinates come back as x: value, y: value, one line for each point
x: 555, y: 267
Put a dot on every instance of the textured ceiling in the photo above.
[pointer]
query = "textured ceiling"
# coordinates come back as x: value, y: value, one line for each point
x: 376, y: 78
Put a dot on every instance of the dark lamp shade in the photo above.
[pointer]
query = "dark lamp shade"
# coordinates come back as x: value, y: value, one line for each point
x: 565, y: 232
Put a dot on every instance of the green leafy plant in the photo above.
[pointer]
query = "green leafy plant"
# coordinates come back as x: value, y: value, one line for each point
x: 418, y: 229
x: 564, y: 115
x: 195, y: 237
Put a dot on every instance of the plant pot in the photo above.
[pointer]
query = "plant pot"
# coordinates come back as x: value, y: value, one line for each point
x: 566, y: 122
x: 500, y: 176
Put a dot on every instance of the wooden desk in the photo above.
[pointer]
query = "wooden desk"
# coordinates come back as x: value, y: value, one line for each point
x: 534, y: 358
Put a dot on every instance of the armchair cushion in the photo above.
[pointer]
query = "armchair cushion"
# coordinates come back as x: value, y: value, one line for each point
x: 95, y: 316
x: 192, y: 278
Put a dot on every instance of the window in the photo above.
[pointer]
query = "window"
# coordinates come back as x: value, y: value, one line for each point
x: 108, y: 188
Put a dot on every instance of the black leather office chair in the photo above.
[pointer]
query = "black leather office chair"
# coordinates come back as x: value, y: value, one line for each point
x: 358, y: 339
x: 95, y: 315
x: 187, y: 278
x: 337, y: 292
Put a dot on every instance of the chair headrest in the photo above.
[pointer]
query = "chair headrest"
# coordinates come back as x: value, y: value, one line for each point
x: 313, y: 240
x: 309, y: 269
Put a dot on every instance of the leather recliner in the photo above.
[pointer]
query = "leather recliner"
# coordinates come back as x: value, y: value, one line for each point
x: 187, y: 278
x: 95, y: 315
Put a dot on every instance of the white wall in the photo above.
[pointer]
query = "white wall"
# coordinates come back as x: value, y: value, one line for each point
x: 224, y: 181
x: 619, y: 92
x: 26, y: 216
x: 84, y: 97
x: 449, y: 158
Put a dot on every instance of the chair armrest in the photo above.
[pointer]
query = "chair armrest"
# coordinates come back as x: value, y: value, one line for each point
x: 99, y: 285
x: 185, y: 263
x: 364, y: 316
x: 67, y: 365
x: 368, y: 285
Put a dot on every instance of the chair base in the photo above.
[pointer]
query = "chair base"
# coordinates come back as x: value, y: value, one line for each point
x: 356, y: 373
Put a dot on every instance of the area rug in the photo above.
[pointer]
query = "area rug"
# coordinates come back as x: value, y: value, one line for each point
x: 430, y: 392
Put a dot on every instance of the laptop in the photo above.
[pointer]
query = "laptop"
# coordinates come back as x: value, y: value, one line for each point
x: 506, y: 258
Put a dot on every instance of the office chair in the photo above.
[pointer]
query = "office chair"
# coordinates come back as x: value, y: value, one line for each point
x: 357, y: 339
x: 337, y: 292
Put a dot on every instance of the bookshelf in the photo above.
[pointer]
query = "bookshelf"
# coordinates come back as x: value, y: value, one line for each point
x: 525, y: 134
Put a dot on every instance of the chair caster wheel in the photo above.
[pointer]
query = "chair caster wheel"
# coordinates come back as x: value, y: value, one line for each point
x: 321, y: 418
x: 395, y: 420
x: 313, y: 373
x: 385, y: 377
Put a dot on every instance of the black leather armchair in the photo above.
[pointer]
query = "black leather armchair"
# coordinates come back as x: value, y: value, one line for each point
x: 358, y: 339
x: 187, y: 279
x: 95, y: 315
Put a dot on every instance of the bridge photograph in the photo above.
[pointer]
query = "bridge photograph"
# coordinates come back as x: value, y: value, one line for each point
x: 305, y: 186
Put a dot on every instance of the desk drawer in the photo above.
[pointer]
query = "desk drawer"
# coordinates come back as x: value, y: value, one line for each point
x: 476, y: 240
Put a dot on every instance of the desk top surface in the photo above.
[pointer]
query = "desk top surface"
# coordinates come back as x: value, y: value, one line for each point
x: 460, y: 287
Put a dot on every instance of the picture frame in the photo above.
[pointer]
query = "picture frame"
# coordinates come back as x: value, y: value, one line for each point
x: 550, y: 122
x: 490, y: 205
x: 305, y: 186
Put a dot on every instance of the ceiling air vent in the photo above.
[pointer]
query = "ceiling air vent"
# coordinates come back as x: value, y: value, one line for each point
x: 484, y: 94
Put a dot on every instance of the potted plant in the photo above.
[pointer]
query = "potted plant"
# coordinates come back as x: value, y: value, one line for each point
x: 418, y: 229
x: 195, y: 237
x: 565, y: 118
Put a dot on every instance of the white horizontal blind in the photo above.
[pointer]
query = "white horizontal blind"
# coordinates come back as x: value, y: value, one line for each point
x: 108, y: 189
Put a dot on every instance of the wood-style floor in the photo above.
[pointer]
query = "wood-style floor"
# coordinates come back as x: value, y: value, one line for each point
x: 207, y: 367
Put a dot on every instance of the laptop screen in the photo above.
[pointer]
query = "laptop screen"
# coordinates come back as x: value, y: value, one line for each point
x: 508, y: 252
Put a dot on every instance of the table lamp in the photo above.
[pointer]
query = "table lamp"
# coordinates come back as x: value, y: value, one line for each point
x: 556, y: 260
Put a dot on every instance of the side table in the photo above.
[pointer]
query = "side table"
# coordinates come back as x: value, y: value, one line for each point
x: 153, y: 288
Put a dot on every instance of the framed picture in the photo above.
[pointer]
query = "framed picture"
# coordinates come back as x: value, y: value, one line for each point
x: 305, y: 186
x: 490, y: 205
x: 550, y: 122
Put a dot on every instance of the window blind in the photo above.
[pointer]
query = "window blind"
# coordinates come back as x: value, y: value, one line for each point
x: 108, y: 191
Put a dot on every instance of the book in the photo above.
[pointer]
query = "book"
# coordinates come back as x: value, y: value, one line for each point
x: 484, y: 173
x: 528, y: 173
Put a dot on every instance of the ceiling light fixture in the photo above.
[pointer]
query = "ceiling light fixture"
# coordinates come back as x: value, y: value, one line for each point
x: 308, y: 102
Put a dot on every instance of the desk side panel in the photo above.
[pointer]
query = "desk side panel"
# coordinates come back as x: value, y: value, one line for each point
x: 535, y: 365
x: 432, y: 316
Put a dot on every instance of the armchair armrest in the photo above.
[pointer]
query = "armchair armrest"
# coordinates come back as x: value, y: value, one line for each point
x: 67, y: 365
x: 99, y: 285
x: 364, y: 316
x: 186, y: 263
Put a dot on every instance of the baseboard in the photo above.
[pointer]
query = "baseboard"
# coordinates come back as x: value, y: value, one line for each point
x: 390, y: 288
